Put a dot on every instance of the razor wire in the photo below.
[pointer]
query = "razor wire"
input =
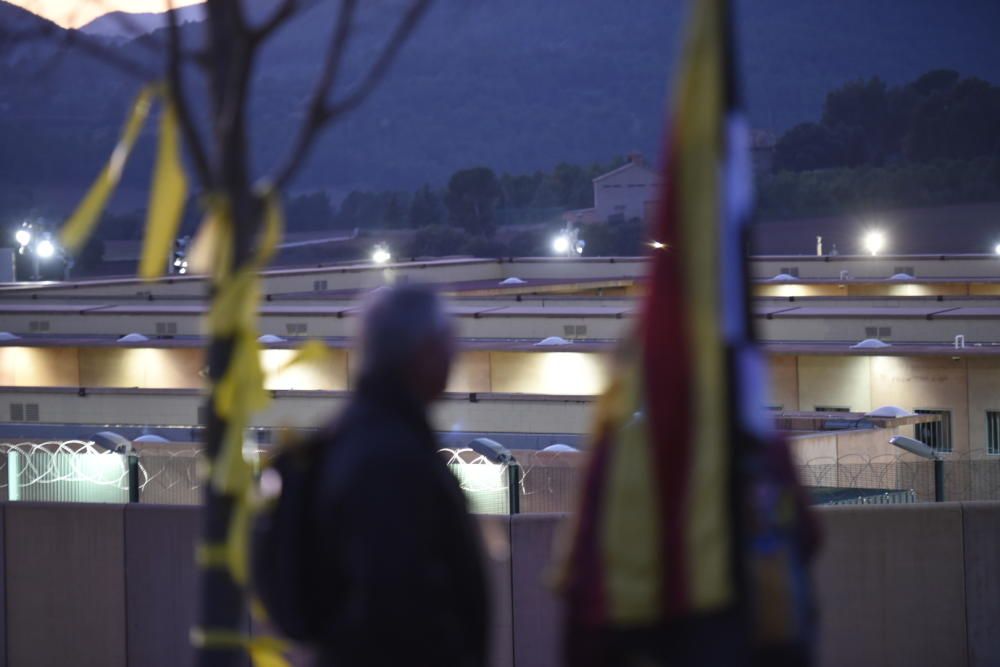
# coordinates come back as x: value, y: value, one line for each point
x: 79, y: 470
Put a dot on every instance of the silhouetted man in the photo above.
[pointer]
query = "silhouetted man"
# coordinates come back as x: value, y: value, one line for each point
x: 399, y: 572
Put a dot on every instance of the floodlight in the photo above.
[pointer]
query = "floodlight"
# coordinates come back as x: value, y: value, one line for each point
x: 381, y: 255
x: 23, y: 236
x: 996, y: 249
x: 45, y: 249
x: 561, y: 244
x: 656, y: 245
x: 874, y: 241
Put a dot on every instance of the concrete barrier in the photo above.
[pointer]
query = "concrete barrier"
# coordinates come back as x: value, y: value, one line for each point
x: 891, y: 587
x: 105, y: 585
x: 981, y: 533
x: 65, y: 580
x: 537, y: 629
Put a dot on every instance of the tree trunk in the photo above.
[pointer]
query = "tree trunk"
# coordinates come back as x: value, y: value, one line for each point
x: 222, y: 607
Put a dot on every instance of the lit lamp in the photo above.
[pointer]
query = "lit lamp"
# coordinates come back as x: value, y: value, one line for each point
x: 874, y: 241
x: 381, y: 254
x: 996, y: 249
x: 45, y: 249
x: 561, y: 244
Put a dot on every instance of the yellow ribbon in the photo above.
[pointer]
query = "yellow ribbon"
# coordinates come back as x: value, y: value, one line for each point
x: 313, y: 351
x: 166, y: 200
x: 264, y: 651
x: 167, y: 195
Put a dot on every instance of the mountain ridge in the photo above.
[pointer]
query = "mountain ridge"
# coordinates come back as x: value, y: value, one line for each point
x: 516, y: 85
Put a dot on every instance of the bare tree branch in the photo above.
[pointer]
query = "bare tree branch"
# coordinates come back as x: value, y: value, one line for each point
x: 196, y: 147
x: 319, y: 111
x: 286, y: 10
x: 381, y: 66
x: 316, y: 107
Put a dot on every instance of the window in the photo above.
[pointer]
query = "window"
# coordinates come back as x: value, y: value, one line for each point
x: 38, y: 326
x: 831, y: 408
x: 790, y: 271
x: 993, y: 431
x: 574, y: 330
x: 880, y: 333
x: 908, y: 270
x: 166, y: 328
x: 297, y: 328
x: 17, y: 412
x: 319, y: 285
x: 936, y: 435
x: 31, y: 412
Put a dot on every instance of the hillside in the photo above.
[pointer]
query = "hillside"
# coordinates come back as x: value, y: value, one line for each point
x: 513, y: 84
x: 120, y: 24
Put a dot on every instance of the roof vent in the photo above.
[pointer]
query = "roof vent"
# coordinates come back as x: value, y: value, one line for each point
x: 781, y: 277
x: 560, y: 448
x: 6, y: 335
x: 901, y: 276
x: 890, y: 411
x: 133, y: 338
x: 152, y: 438
x: 870, y: 343
x: 270, y: 338
x: 513, y: 280
x: 553, y: 340
x: 492, y: 450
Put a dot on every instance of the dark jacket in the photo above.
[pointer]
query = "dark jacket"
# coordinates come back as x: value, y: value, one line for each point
x: 400, y: 571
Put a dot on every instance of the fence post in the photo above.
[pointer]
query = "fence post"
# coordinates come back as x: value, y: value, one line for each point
x: 938, y: 480
x: 514, y: 487
x: 132, y: 459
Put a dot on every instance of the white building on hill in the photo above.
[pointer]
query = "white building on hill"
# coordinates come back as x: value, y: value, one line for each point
x: 628, y: 192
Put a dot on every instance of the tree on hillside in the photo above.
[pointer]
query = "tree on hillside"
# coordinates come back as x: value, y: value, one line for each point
x: 937, y: 116
x: 309, y: 211
x: 426, y: 208
x: 808, y: 146
x: 472, y: 198
x: 857, y: 113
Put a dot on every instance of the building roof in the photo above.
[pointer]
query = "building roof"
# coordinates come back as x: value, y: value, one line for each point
x: 626, y: 167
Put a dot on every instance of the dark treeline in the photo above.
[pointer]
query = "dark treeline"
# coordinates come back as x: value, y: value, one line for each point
x: 933, y: 141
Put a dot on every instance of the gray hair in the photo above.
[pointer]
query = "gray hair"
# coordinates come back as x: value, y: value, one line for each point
x: 395, y: 323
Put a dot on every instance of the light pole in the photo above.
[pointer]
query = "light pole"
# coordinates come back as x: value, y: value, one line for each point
x: 925, y: 452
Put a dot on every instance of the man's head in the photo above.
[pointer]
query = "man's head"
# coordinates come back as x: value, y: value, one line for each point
x: 407, y: 338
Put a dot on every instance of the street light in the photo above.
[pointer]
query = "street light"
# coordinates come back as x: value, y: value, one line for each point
x: 381, y: 254
x: 560, y: 244
x: 874, y: 241
x: 45, y: 249
x: 924, y: 451
x: 23, y: 236
x: 996, y: 249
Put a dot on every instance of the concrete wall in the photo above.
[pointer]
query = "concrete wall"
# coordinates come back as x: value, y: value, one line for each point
x: 110, y: 586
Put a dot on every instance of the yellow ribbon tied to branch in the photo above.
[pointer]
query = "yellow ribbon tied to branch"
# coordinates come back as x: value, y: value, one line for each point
x: 167, y: 193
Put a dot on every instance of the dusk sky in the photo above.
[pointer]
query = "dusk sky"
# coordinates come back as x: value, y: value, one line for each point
x: 75, y: 13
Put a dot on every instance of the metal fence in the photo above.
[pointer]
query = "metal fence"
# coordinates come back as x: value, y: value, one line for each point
x: 968, y: 476
x: 534, y: 481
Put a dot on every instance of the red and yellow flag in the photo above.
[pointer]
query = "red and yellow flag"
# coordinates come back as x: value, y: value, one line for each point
x: 668, y: 521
